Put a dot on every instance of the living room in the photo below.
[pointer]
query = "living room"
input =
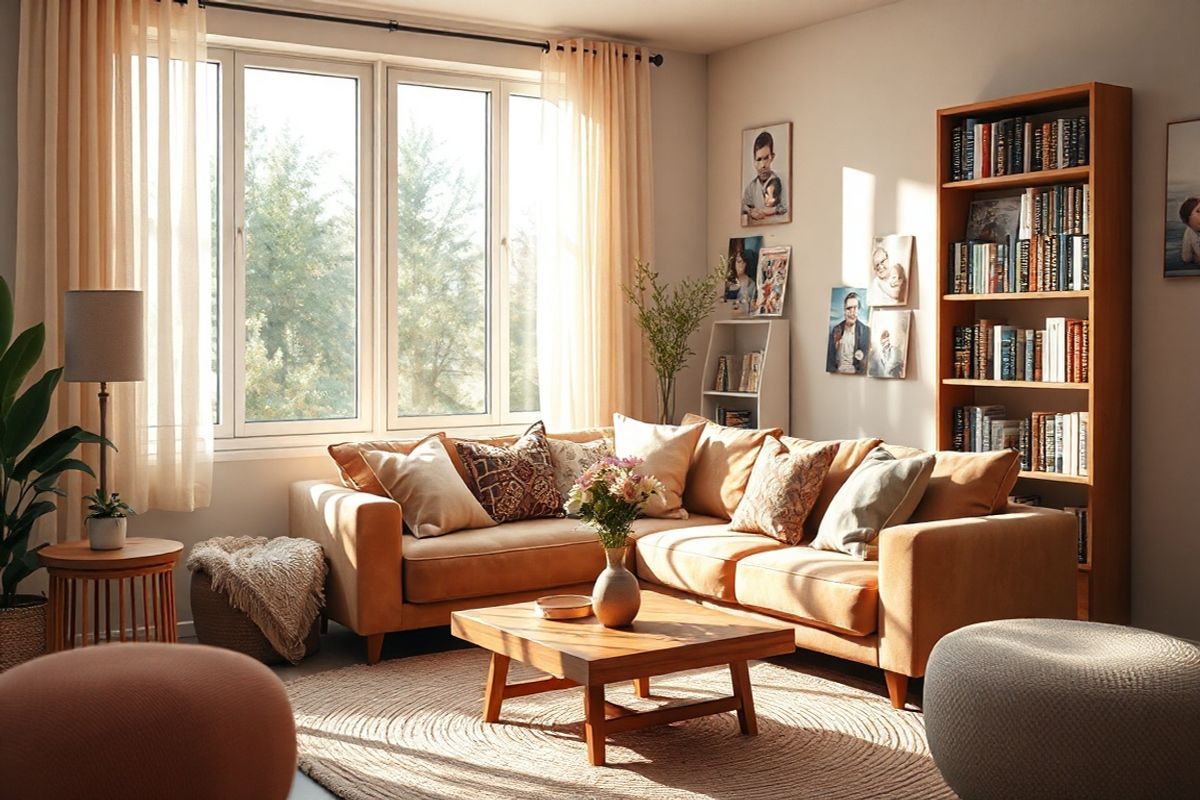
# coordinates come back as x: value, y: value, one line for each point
x: 870, y: 103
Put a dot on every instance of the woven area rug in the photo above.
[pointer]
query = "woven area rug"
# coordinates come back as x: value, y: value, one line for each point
x: 412, y: 728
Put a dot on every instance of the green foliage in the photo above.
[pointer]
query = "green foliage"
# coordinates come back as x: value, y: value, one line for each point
x: 101, y: 507
x: 669, y: 317
x: 28, y: 471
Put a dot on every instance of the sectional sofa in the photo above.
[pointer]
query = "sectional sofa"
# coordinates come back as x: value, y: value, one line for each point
x: 931, y: 577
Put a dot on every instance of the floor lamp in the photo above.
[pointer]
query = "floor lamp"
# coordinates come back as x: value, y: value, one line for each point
x: 105, y: 343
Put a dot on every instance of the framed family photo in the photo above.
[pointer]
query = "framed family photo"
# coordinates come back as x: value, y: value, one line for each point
x: 741, y: 278
x: 767, y: 174
x: 773, y: 264
x: 1181, y: 255
x: 891, y: 267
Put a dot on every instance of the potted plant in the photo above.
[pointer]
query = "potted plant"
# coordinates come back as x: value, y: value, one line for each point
x: 669, y: 317
x: 29, y: 472
x: 106, y: 521
x: 608, y: 497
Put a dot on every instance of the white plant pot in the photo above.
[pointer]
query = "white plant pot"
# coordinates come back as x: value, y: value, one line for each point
x: 106, y: 533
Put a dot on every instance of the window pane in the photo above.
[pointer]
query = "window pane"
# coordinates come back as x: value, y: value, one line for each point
x: 301, y: 205
x: 524, y: 138
x: 441, y: 251
x: 210, y: 144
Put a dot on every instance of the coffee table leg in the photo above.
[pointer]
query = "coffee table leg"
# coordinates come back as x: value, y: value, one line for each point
x: 493, y: 694
x: 741, y: 690
x: 641, y: 687
x: 593, y: 723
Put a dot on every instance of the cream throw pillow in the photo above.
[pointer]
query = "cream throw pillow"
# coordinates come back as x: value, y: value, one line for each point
x: 782, y: 490
x: 666, y: 453
x: 570, y: 459
x: 882, y: 491
x: 432, y: 497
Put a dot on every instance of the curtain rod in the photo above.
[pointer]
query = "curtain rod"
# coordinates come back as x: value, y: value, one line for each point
x: 390, y: 26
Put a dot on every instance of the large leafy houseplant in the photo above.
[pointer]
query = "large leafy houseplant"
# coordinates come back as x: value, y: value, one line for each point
x: 28, y: 471
x: 669, y: 317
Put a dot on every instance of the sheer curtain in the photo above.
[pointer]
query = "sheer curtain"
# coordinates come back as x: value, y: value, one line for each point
x: 596, y: 220
x: 110, y: 156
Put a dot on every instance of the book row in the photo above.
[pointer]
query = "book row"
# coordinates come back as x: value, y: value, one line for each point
x: 992, y: 350
x: 1047, y: 441
x: 1054, y: 211
x: 1010, y: 146
x: 750, y: 366
x: 1041, y: 264
x: 735, y: 417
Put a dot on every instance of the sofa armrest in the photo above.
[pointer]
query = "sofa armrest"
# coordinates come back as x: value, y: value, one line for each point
x: 362, y: 536
x: 936, y: 577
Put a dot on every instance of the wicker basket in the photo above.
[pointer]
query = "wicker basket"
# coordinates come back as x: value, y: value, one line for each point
x: 221, y: 625
x: 22, y: 630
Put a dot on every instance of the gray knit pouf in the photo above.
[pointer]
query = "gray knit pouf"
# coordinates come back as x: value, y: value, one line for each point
x: 1040, y: 708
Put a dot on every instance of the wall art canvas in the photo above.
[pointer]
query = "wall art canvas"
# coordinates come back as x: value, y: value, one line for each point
x: 767, y: 174
x: 889, y: 344
x: 773, y: 267
x: 849, y: 335
x: 741, y: 278
x: 1181, y: 255
x: 891, y: 268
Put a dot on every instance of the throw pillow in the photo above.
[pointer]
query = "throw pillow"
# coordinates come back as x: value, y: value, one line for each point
x: 513, y: 482
x: 721, y: 466
x: 968, y: 485
x: 353, y: 468
x: 570, y: 459
x: 432, y: 498
x: 782, y: 489
x: 666, y: 453
x: 850, y: 454
x: 881, y: 492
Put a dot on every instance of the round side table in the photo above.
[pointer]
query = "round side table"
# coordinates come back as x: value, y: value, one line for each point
x: 143, y: 567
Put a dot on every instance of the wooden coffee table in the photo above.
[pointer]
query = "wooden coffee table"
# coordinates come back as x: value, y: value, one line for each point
x: 669, y: 635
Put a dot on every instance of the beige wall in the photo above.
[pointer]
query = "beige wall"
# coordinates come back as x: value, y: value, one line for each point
x: 862, y: 92
x: 10, y: 17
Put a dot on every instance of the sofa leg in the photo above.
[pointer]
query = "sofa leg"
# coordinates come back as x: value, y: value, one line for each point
x: 374, y: 648
x: 897, y: 686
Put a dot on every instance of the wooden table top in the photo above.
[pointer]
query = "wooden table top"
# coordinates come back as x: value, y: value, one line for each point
x: 137, y: 552
x: 669, y: 635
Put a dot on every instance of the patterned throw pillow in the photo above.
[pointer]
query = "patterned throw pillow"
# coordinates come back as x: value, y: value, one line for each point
x: 570, y: 459
x: 513, y: 482
x: 783, y: 487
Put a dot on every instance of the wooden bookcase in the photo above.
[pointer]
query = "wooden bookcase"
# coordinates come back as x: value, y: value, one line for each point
x: 770, y: 405
x: 1103, y: 582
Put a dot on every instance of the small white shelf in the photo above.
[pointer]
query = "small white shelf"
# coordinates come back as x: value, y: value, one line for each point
x: 770, y: 406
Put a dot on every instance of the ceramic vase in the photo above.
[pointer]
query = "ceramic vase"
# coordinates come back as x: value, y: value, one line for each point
x: 106, y: 533
x: 616, y: 597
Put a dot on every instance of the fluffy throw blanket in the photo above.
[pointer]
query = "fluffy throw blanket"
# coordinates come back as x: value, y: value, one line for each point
x: 278, y: 583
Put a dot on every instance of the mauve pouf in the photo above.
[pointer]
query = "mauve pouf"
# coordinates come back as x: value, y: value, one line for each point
x: 1042, y: 708
x: 145, y: 720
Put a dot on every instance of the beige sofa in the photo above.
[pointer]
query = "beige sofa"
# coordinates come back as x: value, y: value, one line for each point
x: 930, y: 578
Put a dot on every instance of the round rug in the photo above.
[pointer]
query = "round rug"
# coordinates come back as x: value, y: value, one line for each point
x: 412, y: 727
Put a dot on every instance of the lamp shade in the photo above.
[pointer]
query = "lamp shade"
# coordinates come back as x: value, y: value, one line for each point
x: 105, y: 336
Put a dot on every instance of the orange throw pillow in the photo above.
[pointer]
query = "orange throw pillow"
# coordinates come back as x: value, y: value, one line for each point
x: 968, y: 485
x: 721, y: 465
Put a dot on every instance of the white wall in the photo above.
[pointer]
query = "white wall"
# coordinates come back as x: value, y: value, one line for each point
x: 862, y: 92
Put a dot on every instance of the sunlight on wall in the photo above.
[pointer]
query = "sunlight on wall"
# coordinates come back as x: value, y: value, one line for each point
x: 916, y: 214
x: 858, y: 224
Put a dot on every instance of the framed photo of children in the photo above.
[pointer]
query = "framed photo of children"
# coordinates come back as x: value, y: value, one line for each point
x: 1182, y: 246
x: 741, y: 285
x: 767, y: 174
x: 773, y: 265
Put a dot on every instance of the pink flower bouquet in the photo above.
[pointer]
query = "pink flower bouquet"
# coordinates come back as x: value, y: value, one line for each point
x: 608, y: 497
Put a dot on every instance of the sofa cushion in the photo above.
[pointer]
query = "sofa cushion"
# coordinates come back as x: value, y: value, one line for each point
x: 570, y: 459
x: 700, y: 560
x: 432, y: 499
x: 782, y: 489
x: 666, y: 453
x: 968, y: 485
x: 513, y: 482
x: 721, y: 466
x: 829, y: 590
x: 850, y: 454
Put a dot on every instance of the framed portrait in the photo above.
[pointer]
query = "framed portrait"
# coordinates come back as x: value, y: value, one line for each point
x: 1181, y: 255
x: 767, y: 175
x: 891, y: 265
x: 773, y: 267
x: 741, y: 279
x: 849, y: 334
x: 889, y: 344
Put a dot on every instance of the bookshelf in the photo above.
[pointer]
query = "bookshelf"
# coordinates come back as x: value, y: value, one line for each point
x: 770, y: 404
x: 1103, y: 581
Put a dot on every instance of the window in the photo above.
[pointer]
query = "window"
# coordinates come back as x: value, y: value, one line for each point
x: 322, y: 333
